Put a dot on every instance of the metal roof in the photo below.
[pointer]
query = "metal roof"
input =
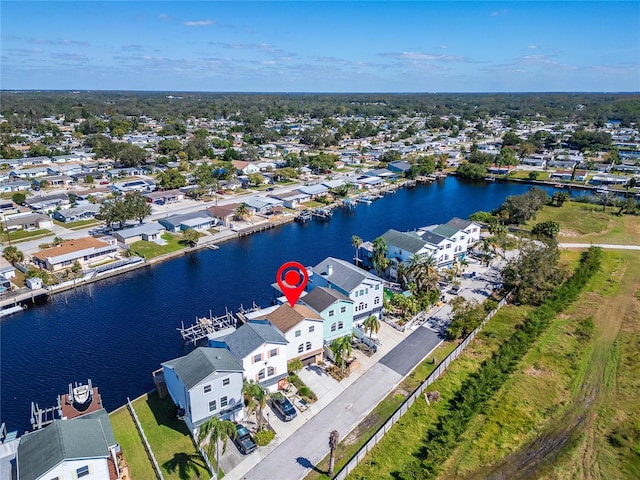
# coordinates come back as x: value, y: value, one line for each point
x: 321, y: 298
x: 405, y: 241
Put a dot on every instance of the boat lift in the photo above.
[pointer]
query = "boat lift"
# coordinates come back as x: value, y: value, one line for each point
x: 205, y: 326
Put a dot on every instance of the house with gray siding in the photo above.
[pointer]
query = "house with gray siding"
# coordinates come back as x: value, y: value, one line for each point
x: 205, y: 383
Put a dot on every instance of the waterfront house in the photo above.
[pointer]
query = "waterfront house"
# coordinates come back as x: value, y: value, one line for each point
x: 75, y: 214
x: 401, y: 246
x: 619, y: 180
x: 261, y: 349
x: 149, y: 232
x: 263, y: 205
x: 81, y: 447
x: 363, y: 288
x: 335, y: 309
x: 200, y: 220
x: 399, y: 166
x: 85, y: 251
x: 303, y: 329
x: 205, y: 383
x: 292, y: 199
x: 223, y: 213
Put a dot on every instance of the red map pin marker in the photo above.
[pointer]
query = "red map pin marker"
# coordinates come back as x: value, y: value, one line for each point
x: 292, y: 278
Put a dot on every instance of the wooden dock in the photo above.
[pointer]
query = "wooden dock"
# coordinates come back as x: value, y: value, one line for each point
x: 206, y: 326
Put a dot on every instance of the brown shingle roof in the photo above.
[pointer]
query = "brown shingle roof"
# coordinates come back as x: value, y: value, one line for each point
x: 284, y: 318
x: 70, y: 246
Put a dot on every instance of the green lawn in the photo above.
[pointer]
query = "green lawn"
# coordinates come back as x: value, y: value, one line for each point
x: 400, y: 443
x: 151, y: 250
x: 524, y: 174
x: 128, y: 437
x: 169, y: 438
x: 547, y: 392
x: 80, y: 224
x: 23, y: 235
x: 587, y: 223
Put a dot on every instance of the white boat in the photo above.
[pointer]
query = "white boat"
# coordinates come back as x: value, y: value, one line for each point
x: 5, y: 312
x: 213, y: 247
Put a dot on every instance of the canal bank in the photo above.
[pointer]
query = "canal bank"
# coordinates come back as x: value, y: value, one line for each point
x: 127, y: 327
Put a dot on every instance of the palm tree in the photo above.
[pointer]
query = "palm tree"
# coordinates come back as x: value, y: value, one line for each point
x: 371, y: 325
x: 341, y: 348
x: 333, y: 444
x: 423, y: 273
x: 212, y: 431
x: 12, y: 255
x: 255, y: 398
x: 380, y: 260
x: 356, y: 241
x: 242, y: 211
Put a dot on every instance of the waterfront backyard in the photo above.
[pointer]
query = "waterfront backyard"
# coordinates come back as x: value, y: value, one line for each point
x: 168, y: 437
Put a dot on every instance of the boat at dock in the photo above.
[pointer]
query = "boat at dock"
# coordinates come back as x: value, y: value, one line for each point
x: 211, y: 246
x: 304, y: 216
x: 5, y: 312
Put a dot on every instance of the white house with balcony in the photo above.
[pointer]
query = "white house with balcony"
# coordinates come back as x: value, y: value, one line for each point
x: 365, y: 289
x: 205, y: 383
x: 303, y: 329
x: 262, y: 351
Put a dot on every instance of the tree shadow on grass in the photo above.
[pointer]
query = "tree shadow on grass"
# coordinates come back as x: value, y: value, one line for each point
x: 187, y: 465
x: 164, y: 412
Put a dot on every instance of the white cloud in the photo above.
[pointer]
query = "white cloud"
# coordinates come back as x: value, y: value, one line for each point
x: 198, y: 23
x: 532, y: 47
x: 428, y: 57
x: 444, y: 47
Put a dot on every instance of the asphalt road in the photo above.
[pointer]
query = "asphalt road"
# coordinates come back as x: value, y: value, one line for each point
x: 411, y: 351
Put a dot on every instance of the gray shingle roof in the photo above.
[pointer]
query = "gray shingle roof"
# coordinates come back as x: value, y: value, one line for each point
x: 250, y: 336
x: 321, y: 298
x: 458, y: 223
x: 446, y: 230
x: 344, y: 275
x: 433, y: 238
x: 202, y: 362
x: 405, y: 241
x: 88, y: 436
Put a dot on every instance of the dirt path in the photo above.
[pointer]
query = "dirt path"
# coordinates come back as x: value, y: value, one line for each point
x: 534, y: 459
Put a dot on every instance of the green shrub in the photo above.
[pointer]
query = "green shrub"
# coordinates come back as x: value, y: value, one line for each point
x: 263, y: 437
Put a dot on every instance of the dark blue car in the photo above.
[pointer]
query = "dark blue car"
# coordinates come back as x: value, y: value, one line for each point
x: 283, y: 406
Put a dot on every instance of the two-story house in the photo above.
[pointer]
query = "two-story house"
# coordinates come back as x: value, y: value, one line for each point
x: 261, y: 349
x: 82, y: 447
x: 336, y: 310
x: 365, y: 289
x: 303, y: 329
x: 205, y: 383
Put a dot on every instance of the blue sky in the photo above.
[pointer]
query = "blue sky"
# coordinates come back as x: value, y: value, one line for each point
x: 315, y: 46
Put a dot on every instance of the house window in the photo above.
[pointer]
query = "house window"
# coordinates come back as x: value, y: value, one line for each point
x: 361, y: 306
x: 333, y: 327
x: 223, y: 402
x: 308, y: 345
x: 82, y: 471
x: 261, y: 374
x: 366, y: 291
x: 376, y: 300
x: 448, y: 245
x: 340, y: 325
x: 273, y: 353
x: 301, y: 348
x: 343, y: 309
x: 212, y: 406
x: 207, y: 388
x: 271, y: 371
x: 312, y: 328
x: 331, y: 313
x: 226, y: 382
x: 298, y: 333
x: 356, y: 294
x: 257, y: 358
x: 377, y: 286
x: 362, y: 292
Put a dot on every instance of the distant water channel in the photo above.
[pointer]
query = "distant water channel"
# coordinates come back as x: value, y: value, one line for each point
x: 120, y: 334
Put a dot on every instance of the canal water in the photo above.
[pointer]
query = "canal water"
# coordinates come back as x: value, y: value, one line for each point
x: 122, y: 332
